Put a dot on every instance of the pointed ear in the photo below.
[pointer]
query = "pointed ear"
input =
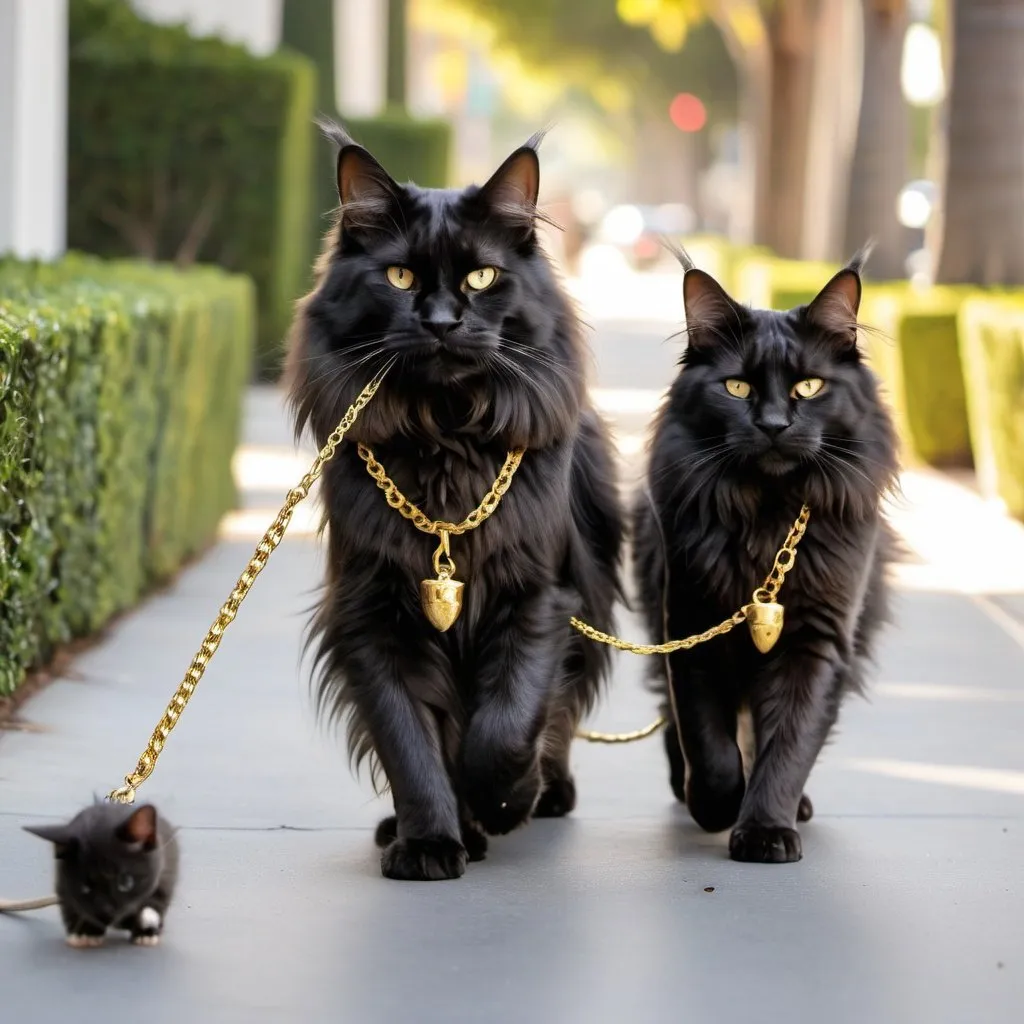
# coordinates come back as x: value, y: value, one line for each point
x: 367, y: 192
x: 64, y: 843
x: 140, y: 827
x: 834, y: 309
x: 513, y: 188
x: 710, y: 311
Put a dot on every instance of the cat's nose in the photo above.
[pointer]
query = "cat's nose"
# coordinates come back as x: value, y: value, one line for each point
x: 772, y: 427
x: 440, y: 329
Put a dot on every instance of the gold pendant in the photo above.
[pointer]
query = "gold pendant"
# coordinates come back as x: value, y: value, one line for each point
x: 442, y: 598
x: 765, y: 622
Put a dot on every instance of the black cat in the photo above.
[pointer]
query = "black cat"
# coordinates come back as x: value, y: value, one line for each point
x: 770, y: 410
x: 116, y: 867
x: 471, y: 727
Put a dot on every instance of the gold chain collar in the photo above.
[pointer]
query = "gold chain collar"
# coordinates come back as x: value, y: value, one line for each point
x: 442, y: 597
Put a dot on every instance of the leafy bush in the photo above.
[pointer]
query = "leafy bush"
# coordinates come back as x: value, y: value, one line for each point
x: 912, y: 345
x: 120, y: 405
x: 770, y: 282
x: 408, y: 148
x: 191, y: 150
x: 992, y: 355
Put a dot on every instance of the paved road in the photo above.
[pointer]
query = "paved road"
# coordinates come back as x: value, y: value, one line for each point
x: 906, y: 908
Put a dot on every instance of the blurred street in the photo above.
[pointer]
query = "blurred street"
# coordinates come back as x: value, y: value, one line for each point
x: 625, y: 911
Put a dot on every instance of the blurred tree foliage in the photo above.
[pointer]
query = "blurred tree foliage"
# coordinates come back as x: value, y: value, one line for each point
x: 588, y: 42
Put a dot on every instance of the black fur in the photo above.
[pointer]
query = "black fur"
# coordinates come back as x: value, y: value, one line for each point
x: 726, y: 479
x: 472, y: 727
x: 112, y: 864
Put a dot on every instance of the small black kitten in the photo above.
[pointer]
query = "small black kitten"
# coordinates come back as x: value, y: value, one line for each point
x: 116, y: 868
x: 770, y: 410
x: 471, y: 727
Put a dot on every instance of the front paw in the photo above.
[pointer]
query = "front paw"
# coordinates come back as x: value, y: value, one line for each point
x: 423, y: 860
x: 501, y: 808
x: 473, y: 839
x: 557, y: 800
x: 84, y: 941
x: 765, y: 844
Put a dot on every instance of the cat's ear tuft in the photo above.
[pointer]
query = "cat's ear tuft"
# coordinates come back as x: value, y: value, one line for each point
x: 140, y: 828
x: 834, y: 309
x: 710, y: 311
x: 366, y: 191
x: 64, y: 843
x: 513, y: 189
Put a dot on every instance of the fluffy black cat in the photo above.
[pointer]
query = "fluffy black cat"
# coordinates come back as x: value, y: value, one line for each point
x: 116, y: 867
x: 770, y: 410
x: 471, y: 727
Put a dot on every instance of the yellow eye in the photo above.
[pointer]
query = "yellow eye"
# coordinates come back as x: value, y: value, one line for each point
x: 401, y: 277
x: 737, y: 388
x: 481, y: 279
x: 808, y: 388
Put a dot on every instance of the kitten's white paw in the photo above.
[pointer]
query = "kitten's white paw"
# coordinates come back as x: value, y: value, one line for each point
x: 146, y: 940
x: 84, y: 941
x: 149, y: 918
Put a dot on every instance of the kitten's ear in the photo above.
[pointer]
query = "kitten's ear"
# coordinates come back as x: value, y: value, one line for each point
x: 140, y: 828
x: 64, y: 842
x: 512, y: 190
x: 834, y: 309
x: 710, y: 311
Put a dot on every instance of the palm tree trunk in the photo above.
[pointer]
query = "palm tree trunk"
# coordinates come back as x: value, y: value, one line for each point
x: 879, y: 168
x: 983, y: 215
x: 791, y: 35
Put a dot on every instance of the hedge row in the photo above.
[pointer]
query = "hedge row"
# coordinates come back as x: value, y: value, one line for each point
x: 231, y: 171
x: 951, y: 358
x: 992, y: 354
x: 120, y: 406
x: 191, y: 150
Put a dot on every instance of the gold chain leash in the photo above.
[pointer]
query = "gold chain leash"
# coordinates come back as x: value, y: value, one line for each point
x: 147, y: 762
x: 763, y: 614
x: 405, y: 508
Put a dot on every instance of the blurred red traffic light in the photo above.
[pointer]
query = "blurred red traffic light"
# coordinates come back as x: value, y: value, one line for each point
x: 687, y: 112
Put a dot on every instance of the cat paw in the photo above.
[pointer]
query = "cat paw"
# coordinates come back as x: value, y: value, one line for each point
x: 145, y: 940
x: 387, y: 831
x: 557, y: 800
x: 765, y: 844
x: 805, y: 809
x: 715, y: 808
x: 500, y: 811
x: 84, y: 941
x: 475, y: 842
x: 423, y: 860
x: 473, y: 839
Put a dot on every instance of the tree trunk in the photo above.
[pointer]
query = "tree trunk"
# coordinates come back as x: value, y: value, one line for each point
x: 983, y: 216
x: 778, y: 218
x: 880, y: 155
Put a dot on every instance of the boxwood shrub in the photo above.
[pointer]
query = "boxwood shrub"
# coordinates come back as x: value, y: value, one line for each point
x: 191, y: 150
x: 992, y: 355
x: 120, y: 405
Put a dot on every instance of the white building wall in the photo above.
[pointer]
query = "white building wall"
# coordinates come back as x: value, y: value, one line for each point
x: 360, y: 56
x: 256, y: 24
x: 33, y: 127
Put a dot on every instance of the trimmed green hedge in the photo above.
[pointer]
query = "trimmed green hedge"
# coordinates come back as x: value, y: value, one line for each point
x: 408, y: 148
x: 992, y: 354
x: 120, y: 406
x: 913, y: 346
x: 188, y: 150
x: 770, y: 282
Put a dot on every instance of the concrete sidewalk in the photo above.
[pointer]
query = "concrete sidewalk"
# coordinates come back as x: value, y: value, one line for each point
x: 906, y: 908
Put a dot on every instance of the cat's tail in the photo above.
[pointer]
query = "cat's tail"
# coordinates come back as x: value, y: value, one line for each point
x: 17, y: 906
